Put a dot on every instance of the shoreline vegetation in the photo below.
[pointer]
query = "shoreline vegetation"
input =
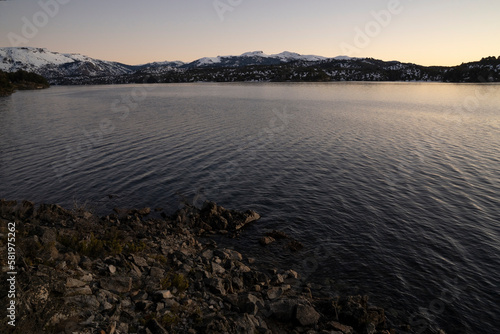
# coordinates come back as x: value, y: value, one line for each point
x: 487, y: 70
x: 20, y: 80
x: 128, y: 272
x: 75, y: 69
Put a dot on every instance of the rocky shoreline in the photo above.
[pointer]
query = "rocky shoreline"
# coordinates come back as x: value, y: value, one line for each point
x: 127, y: 273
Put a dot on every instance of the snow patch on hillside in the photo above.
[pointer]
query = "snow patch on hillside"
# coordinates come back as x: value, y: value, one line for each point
x: 54, y: 64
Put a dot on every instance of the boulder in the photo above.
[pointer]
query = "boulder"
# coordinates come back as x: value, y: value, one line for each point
x: 155, y: 327
x: 217, y: 268
x: 219, y: 218
x: 337, y: 326
x: 83, y: 302
x: 234, y: 255
x: 74, y: 283
x: 277, y: 234
x: 274, y: 293
x: 156, y: 272
x: 139, y: 261
x: 283, y: 309
x: 353, y: 311
x: 26, y: 210
x: 245, y: 324
x: 264, y: 241
x: 83, y: 291
x: 117, y: 284
x: 163, y: 294
x: 144, y: 211
x: 250, y: 303
x: 306, y: 315
x: 295, y: 246
x: 216, y: 285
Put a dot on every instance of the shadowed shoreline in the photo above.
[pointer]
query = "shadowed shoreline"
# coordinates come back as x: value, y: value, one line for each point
x: 126, y: 273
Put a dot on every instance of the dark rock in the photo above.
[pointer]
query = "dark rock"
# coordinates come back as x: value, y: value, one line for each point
x: 306, y: 315
x: 245, y: 324
x: 264, y: 241
x: 143, y: 305
x: 353, y: 311
x: 249, y: 217
x: 140, y: 261
x: 26, y: 210
x: 74, y: 259
x: 86, y: 290
x: 7, y: 208
x: 217, y: 269
x: 237, y: 283
x: 52, y: 213
x: 337, y: 326
x: 85, y: 263
x: 86, y: 302
x: 156, y: 272
x: 163, y: 294
x: 283, y: 309
x: 144, y: 211
x: 376, y: 316
x: 216, y: 285
x: 234, y: 255
x: 155, y: 327
x: 117, y: 284
x: 295, y: 245
x: 250, y: 303
x: 74, y: 283
x: 274, y: 293
x: 139, y: 295
x: 49, y: 236
x: 278, y: 279
x: 277, y: 234
x: 219, y: 218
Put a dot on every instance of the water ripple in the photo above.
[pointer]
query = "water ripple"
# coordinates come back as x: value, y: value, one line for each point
x: 390, y: 192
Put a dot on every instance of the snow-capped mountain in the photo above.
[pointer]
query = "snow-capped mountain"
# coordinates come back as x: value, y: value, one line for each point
x: 56, y: 65
x: 176, y: 63
x: 252, y: 58
x: 62, y: 68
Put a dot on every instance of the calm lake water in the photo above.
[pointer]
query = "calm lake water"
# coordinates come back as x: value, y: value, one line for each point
x: 393, y: 188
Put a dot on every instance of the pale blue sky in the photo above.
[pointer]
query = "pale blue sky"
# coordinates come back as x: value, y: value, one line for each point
x: 439, y: 32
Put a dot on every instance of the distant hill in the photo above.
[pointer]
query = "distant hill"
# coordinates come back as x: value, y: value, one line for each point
x: 73, y: 69
x: 54, y: 65
x: 20, y: 80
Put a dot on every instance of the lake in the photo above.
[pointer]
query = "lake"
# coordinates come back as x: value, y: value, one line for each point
x: 393, y: 188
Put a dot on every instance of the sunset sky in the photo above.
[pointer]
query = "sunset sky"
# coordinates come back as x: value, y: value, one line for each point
x: 427, y: 32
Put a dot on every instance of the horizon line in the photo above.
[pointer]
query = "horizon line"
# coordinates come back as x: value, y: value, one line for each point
x: 236, y: 55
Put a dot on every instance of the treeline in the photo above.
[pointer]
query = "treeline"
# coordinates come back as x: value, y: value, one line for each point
x: 20, y: 80
x: 485, y: 70
x: 361, y: 69
x: 366, y: 69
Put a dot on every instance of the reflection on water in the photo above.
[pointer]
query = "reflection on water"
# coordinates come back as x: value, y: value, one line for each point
x: 392, y: 187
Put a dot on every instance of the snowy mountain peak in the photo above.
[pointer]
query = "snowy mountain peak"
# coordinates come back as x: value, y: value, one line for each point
x: 253, y: 58
x: 290, y: 56
x: 176, y: 63
x: 54, y: 64
x: 209, y: 60
x: 344, y: 58
x: 254, y: 54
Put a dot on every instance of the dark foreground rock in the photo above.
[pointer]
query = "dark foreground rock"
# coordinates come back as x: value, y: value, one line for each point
x: 78, y: 273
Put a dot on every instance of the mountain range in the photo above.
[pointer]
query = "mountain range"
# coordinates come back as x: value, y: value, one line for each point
x: 64, y: 68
